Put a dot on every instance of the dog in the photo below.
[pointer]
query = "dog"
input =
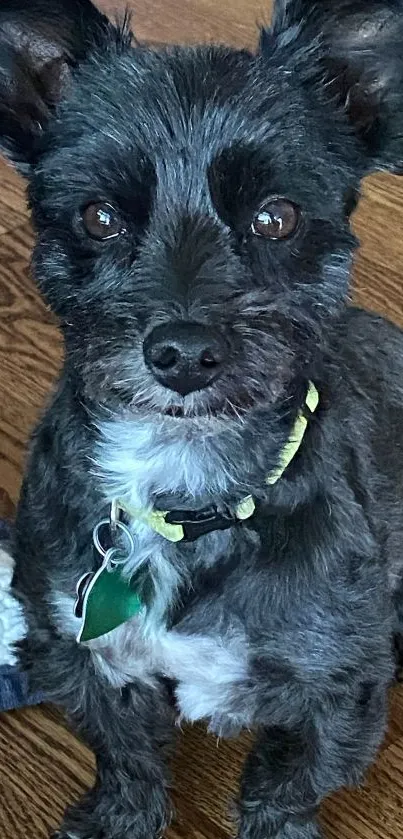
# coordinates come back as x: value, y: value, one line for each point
x: 211, y: 519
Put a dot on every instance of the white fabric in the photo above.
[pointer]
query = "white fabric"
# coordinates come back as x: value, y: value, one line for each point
x: 12, y: 625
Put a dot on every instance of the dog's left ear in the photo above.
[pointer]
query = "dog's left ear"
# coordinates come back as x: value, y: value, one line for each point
x: 41, y: 41
x: 353, y: 49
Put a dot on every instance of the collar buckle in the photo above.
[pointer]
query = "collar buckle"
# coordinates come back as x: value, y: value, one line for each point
x: 197, y: 523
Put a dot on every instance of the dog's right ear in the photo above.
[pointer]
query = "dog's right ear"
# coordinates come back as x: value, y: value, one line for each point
x: 40, y: 42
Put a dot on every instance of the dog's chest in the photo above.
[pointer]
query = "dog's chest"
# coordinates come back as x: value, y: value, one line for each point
x: 206, y: 663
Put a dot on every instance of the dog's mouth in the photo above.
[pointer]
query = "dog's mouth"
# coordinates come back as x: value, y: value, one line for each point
x: 212, y: 404
x: 200, y: 405
x: 218, y: 409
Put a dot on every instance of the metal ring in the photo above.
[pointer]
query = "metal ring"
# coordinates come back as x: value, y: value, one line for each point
x: 119, y: 526
x: 110, y: 561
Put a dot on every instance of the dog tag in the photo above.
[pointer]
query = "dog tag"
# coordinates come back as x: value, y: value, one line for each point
x: 104, y: 601
x: 105, y: 598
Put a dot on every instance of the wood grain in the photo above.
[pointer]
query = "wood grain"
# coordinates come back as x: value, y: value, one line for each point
x: 42, y: 766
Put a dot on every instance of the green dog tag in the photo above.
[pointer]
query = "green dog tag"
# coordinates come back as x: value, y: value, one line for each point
x: 105, y: 600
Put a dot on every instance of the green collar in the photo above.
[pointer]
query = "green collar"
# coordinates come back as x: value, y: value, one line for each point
x: 175, y: 531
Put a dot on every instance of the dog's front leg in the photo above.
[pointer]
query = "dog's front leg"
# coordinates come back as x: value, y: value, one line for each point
x: 290, y: 770
x: 130, y: 730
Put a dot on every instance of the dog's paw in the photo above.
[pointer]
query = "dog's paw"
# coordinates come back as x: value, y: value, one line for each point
x: 277, y: 828
x: 62, y: 835
x: 98, y: 834
x: 85, y: 834
x: 115, y: 824
x: 86, y: 831
x: 105, y: 814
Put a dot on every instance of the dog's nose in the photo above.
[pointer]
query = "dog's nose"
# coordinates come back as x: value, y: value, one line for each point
x: 185, y: 356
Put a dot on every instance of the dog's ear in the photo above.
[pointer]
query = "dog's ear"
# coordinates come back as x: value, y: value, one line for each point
x: 355, y: 47
x: 40, y: 42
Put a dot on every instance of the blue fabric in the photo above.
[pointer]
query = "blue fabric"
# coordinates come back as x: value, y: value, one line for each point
x: 14, y: 689
x: 13, y: 684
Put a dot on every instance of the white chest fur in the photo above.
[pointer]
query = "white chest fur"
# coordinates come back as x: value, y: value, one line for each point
x: 207, y: 667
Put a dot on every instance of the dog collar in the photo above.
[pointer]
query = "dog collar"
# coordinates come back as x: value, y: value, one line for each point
x: 188, y: 525
x: 105, y: 598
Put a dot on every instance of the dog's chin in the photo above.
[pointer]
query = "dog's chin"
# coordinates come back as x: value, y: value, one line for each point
x: 178, y: 425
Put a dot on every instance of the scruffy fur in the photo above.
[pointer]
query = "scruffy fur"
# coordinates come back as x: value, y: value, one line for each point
x: 285, y: 624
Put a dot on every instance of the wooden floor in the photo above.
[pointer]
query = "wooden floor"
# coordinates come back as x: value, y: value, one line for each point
x: 42, y: 767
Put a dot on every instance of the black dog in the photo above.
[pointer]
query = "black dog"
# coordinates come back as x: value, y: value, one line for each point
x: 229, y: 427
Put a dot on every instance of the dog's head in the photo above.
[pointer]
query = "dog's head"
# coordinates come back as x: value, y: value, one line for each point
x: 193, y: 205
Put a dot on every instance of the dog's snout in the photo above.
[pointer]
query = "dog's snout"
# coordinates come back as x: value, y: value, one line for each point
x: 185, y: 356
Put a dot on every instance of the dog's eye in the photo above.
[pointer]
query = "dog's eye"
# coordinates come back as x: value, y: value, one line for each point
x: 276, y: 219
x: 102, y: 221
